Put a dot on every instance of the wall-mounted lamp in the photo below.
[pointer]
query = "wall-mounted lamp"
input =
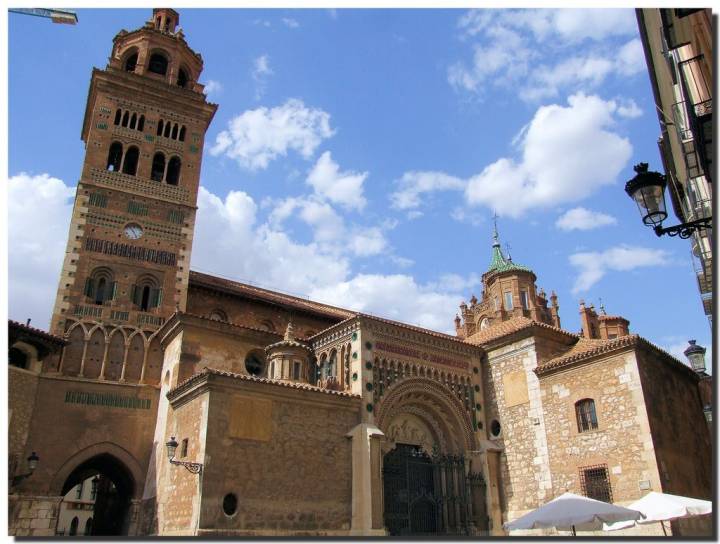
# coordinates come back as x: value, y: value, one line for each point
x: 195, y: 468
x: 32, y: 463
x: 647, y: 189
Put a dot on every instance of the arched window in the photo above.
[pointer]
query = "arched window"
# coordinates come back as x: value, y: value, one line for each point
x: 218, y: 315
x: 168, y: 127
x: 157, y: 23
x: 146, y: 294
x: 73, y: 526
x: 158, y: 167
x: 99, y: 286
x: 174, y: 132
x: 332, y: 364
x: 17, y: 358
x: 182, y: 134
x: 133, y: 120
x: 158, y: 64
x: 131, y: 160
x: 131, y: 63
x: 160, y: 128
x: 141, y: 123
x: 182, y: 79
x: 88, y: 527
x: 585, y: 413
x: 118, y: 116
x: 114, y: 157
x: 126, y: 119
x: 173, y: 171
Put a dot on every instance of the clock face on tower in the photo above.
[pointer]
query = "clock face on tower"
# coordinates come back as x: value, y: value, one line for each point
x: 133, y: 231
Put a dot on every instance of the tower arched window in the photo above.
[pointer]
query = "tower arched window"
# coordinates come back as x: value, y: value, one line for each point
x: 126, y: 119
x: 158, y: 167
x: 100, y: 286
x: 114, y: 157
x: 158, y: 64
x: 74, y: 526
x: 160, y: 128
x: 131, y: 62
x: 586, y: 416
x: 141, y: 123
x: 168, y: 128
x: 181, y: 137
x: 118, y: 116
x: 182, y: 79
x: 332, y: 364
x: 173, y: 171
x: 133, y: 121
x: 131, y: 161
x: 146, y: 294
x: 174, y: 132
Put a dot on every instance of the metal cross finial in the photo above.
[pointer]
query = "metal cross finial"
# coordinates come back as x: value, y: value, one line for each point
x: 602, y: 308
x: 507, y: 248
x: 495, y: 231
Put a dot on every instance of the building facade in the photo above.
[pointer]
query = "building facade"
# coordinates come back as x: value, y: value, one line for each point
x: 678, y: 46
x: 209, y: 407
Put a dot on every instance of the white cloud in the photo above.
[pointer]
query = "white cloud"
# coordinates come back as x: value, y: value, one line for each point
x: 256, y: 137
x: 414, y: 184
x: 593, y: 265
x: 583, y: 219
x: 260, y: 73
x: 365, y: 242
x: 290, y: 22
x: 213, y: 87
x: 395, y: 296
x: 39, y: 211
x: 629, y: 109
x: 555, y: 166
x: 533, y: 51
x: 344, y: 188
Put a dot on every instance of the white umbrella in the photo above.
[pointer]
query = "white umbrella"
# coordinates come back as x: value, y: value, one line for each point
x: 573, y: 512
x: 659, y: 507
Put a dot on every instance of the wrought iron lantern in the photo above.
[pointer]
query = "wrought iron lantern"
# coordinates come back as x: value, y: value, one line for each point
x: 707, y: 410
x: 696, y: 356
x: 32, y: 463
x: 171, y: 445
x: 647, y: 189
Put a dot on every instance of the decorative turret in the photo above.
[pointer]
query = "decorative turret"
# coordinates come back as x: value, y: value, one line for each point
x: 289, y: 359
x: 603, y: 326
x: 509, y: 291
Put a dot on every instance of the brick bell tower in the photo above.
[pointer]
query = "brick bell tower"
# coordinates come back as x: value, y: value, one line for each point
x: 128, y: 254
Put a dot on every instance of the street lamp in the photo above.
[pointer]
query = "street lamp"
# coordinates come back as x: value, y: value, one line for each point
x: 171, y: 445
x: 696, y: 356
x: 32, y: 463
x: 647, y: 189
x: 707, y: 410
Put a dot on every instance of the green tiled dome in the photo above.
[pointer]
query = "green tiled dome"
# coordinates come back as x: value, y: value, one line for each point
x: 499, y: 263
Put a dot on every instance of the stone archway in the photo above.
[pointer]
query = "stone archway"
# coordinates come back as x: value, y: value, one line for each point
x: 105, y: 479
x: 427, y: 486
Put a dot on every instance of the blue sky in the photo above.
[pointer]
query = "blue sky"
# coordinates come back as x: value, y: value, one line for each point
x: 357, y: 157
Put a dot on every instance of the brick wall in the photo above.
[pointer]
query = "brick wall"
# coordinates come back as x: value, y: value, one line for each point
x: 22, y: 385
x: 284, y: 455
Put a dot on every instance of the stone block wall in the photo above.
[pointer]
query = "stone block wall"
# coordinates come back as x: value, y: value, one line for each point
x: 34, y: 516
x: 22, y: 387
x: 622, y: 440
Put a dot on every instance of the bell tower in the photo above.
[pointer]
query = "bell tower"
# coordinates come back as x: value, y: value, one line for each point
x: 128, y: 253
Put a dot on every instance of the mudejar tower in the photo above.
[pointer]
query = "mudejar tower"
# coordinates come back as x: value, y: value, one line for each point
x: 128, y: 255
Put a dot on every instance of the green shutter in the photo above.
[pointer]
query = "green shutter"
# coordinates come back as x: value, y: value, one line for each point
x: 155, y: 297
x: 159, y: 297
x: 114, y: 290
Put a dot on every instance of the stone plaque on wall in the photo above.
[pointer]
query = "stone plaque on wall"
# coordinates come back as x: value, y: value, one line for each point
x: 251, y: 418
x: 515, y: 385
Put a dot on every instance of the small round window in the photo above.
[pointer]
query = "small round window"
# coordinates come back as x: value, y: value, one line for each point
x: 229, y: 504
x: 254, y: 364
x: 495, y: 428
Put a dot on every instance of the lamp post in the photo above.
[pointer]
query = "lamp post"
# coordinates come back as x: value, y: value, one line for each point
x: 647, y: 189
x: 195, y: 468
x: 696, y: 356
x: 32, y: 463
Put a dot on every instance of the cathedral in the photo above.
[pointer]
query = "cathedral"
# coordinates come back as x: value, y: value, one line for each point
x: 198, y: 406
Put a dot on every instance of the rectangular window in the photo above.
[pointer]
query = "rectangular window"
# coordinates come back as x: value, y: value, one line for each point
x: 497, y: 303
x: 93, y: 490
x: 137, y: 208
x: 508, y: 301
x: 184, y: 448
x: 176, y: 216
x: 79, y: 490
x: 595, y: 483
x: 524, y: 300
x: 296, y: 370
x: 98, y: 199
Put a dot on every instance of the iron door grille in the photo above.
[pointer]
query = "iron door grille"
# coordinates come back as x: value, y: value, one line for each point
x: 595, y: 483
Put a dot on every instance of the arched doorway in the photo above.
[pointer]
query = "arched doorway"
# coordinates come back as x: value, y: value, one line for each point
x: 100, y: 488
x: 430, y: 488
